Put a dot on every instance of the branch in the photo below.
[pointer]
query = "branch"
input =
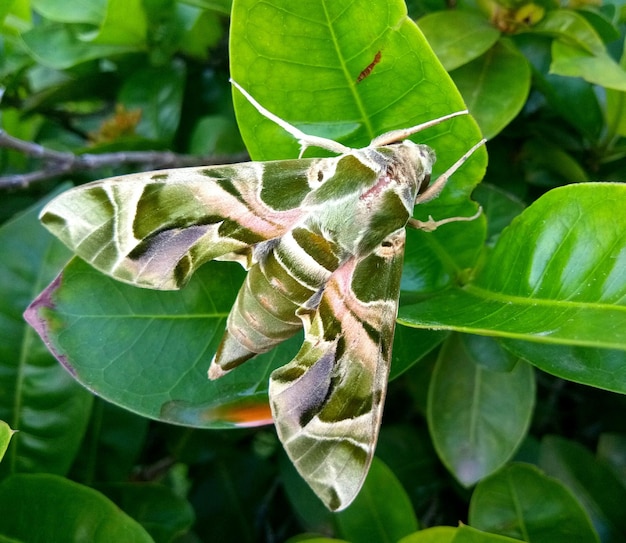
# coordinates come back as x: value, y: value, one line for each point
x: 64, y: 163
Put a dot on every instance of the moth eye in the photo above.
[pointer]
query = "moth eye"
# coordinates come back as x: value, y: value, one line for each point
x: 320, y: 175
x: 386, y: 243
x: 424, y: 184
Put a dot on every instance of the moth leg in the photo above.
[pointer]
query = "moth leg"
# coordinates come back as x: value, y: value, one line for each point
x: 435, y: 189
x: 404, y: 133
x: 431, y: 224
x: 305, y: 140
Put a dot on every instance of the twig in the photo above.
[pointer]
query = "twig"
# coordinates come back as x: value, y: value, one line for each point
x: 63, y: 163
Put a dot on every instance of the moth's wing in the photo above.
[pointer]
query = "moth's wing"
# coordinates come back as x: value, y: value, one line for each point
x: 154, y: 229
x: 327, y: 402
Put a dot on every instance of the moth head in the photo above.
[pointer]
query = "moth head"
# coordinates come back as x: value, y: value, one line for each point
x: 412, y: 166
x: 422, y: 157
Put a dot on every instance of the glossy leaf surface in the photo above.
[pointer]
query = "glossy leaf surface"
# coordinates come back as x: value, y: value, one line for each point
x: 49, y: 508
x: 141, y: 349
x: 477, y: 414
x: 495, y: 86
x: 592, y: 482
x: 523, y: 503
x: 467, y: 36
x: 557, y: 275
x: 308, y: 75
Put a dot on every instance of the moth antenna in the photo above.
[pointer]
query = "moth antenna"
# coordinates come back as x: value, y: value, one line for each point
x: 435, y: 189
x: 305, y: 140
x: 404, y: 133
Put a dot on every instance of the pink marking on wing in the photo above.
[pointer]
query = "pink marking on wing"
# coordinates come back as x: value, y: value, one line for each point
x: 253, y: 214
x: 373, y: 192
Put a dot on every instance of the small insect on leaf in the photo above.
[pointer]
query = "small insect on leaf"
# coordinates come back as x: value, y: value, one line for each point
x: 368, y: 70
x: 327, y: 260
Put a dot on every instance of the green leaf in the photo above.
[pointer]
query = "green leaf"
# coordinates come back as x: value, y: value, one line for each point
x: 43, y: 508
x: 410, y: 345
x: 435, y: 260
x: 124, y: 23
x: 222, y: 6
x: 33, y: 387
x: 599, y: 68
x: 556, y: 275
x: 462, y: 534
x: 499, y: 206
x: 438, y: 534
x: 571, y: 98
x: 495, y: 86
x: 602, y: 368
x: 232, y: 496
x: 578, y: 50
x: 521, y: 502
x: 301, y: 60
x: 5, y: 438
x: 311, y: 513
x: 467, y: 534
x: 79, y: 11
x: 477, y: 416
x: 544, y: 155
x: 376, y: 515
x: 215, y: 134
x: 595, y: 486
x: 615, y: 108
x: 158, y: 93
x: 164, y: 515
x: 467, y: 36
x: 570, y: 27
x: 408, y: 451
x: 59, y: 46
x: 141, y: 349
x: 204, y: 29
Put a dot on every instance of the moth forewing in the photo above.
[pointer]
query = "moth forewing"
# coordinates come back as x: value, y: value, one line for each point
x: 154, y: 229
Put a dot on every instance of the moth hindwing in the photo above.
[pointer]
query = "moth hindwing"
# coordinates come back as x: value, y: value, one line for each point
x: 323, y: 240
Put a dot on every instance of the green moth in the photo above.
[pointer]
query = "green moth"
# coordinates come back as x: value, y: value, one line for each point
x: 323, y: 240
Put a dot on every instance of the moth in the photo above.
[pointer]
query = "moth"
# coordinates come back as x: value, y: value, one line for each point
x: 323, y: 242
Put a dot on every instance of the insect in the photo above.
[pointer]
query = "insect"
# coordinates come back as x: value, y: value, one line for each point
x: 368, y: 69
x: 323, y: 240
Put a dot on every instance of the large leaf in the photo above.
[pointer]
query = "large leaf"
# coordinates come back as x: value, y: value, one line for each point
x: 467, y: 36
x: 521, y: 502
x: 43, y: 508
x: 59, y: 46
x: 495, y: 86
x: 478, y: 413
x: 149, y: 351
x: 162, y: 513
x: 33, y: 387
x: 557, y: 275
x: 602, y: 368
